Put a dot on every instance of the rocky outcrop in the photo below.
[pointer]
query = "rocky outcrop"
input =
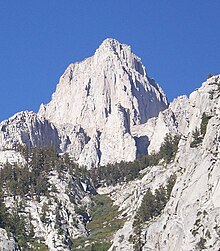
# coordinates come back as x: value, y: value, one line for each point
x: 6, y: 243
x: 116, y: 142
x: 174, y: 120
x: 28, y: 129
x: 11, y: 156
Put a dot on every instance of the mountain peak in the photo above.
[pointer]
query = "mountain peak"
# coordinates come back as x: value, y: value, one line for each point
x: 112, y: 49
x: 113, y: 44
x: 120, y: 77
x: 89, y: 95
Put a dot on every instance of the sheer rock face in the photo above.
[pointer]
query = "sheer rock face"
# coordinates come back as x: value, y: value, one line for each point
x: 106, y: 95
x: 90, y: 91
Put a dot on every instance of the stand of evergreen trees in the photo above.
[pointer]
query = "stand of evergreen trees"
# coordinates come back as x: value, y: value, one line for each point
x: 32, y: 177
x: 113, y: 174
x: 198, y: 134
x: 30, y: 181
x: 152, y: 206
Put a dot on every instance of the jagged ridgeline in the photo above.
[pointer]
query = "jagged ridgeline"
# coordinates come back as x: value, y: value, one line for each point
x: 126, y: 170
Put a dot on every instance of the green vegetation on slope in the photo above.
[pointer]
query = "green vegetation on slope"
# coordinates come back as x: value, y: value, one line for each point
x: 31, y: 181
x: 153, y: 204
x: 104, y: 223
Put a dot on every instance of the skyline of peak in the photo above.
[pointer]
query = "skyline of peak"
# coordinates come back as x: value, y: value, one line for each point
x: 177, y: 42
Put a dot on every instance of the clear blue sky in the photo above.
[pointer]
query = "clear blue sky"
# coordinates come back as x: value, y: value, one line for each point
x: 178, y: 41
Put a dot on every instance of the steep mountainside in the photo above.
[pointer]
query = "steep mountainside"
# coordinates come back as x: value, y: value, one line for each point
x: 105, y: 113
x: 190, y: 219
